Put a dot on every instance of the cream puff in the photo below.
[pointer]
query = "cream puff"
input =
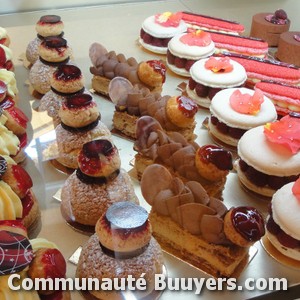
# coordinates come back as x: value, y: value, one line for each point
x: 98, y: 182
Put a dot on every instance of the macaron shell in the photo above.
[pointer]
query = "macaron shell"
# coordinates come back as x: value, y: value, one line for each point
x: 221, y: 108
x: 155, y: 49
x: 221, y: 80
x: 267, y: 157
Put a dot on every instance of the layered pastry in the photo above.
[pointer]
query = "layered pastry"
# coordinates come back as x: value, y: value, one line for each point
x: 210, y: 75
x: 34, y: 259
x: 6, y: 58
x: 289, y: 47
x: 283, y: 229
x: 198, y: 21
x: 269, y: 26
x: 259, y: 69
x: 236, y: 110
x: 286, y: 98
x: 175, y: 113
x: 80, y: 123
x: 122, y: 245
x: 185, y: 49
x: 67, y: 80
x: 17, y: 199
x: 4, y: 37
x: 107, y: 65
x: 197, y: 228
x: 207, y: 164
x: 47, y: 25
x: 269, y: 156
x: 53, y: 51
x: 157, y: 31
x: 98, y: 182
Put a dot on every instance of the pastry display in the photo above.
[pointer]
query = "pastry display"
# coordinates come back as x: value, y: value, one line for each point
x: 80, y: 123
x: 198, y: 21
x: 286, y: 98
x: 175, y: 113
x: 207, y: 164
x: 17, y: 199
x: 269, y: 156
x: 53, y: 51
x: 210, y: 75
x: 197, y: 228
x: 47, y: 25
x: 186, y: 48
x: 98, y: 182
x: 236, y: 110
x: 122, y: 245
x: 269, y: 26
x: 107, y: 65
x: 259, y: 69
x: 289, y: 48
x: 6, y: 58
x: 67, y: 80
x: 4, y: 37
x: 157, y: 31
x: 282, y: 226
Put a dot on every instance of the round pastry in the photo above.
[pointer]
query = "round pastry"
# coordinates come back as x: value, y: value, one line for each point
x: 244, y: 225
x: 48, y: 25
x: 209, y: 76
x: 9, y: 78
x: 282, y: 226
x: 4, y: 38
x: 185, y: 49
x: 15, y: 226
x: 269, y: 156
x: 157, y: 31
x: 269, y: 26
x: 289, y: 47
x: 145, y: 255
x: 6, y: 58
x: 236, y: 110
x: 96, y: 184
x: 53, y: 52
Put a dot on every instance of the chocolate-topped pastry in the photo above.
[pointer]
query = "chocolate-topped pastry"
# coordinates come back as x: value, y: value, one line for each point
x: 98, y: 182
x: 122, y: 245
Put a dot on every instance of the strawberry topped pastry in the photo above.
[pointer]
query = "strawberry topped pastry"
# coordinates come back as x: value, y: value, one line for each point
x: 4, y: 38
x: 80, y: 123
x: 186, y: 48
x: 270, y: 156
x: 157, y: 31
x: 47, y: 25
x: 269, y: 26
x: 108, y: 65
x: 207, y: 164
x: 210, y: 75
x: 175, y: 113
x: 236, y: 110
x: 98, y: 182
x: 283, y: 229
x: 198, y: 21
x: 6, y: 58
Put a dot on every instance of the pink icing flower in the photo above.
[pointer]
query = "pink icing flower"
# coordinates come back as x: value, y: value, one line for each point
x: 284, y: 132
x: 196, y: 38
x: 296, y: 189
x: 167, y: 19
x: 219, y: 65
x: 245, y: 103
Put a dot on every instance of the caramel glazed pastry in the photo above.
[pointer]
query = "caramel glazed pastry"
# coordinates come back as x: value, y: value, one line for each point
x: 80, y: 123
x: 47, y: 25
x: 132, y: 101
x: 107, y: 65
x: 96, y: 184
x: 208, y: 164
x: 122, y: 246
x: 197, y: 228
x: 53, y: 51
x: 67, y: 80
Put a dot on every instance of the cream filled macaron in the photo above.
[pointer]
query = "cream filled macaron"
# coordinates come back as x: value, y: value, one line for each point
x: 186, y: 48
x: 157, y: 31
x: 236, y: 110
x: 283, y: 226
x: 265, y: 165
x: 210, y: 75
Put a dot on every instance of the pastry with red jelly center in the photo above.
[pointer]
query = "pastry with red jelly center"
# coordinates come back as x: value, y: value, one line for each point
x: 4, y: 37
x: 98, y: 182
x: 122, y: 245
x: 6, y: 57
x: 47, y: 25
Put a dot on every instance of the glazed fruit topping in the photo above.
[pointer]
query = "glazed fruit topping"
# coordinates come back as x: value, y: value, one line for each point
x: 94, y: 148
x: 3, y: 166
x: 50, y: 19
x: 67, y: 72
x: 2, y: 57
x: 158, y: 67
x: 55, y: 42
x: 18, y: 116
x: 280, y: 14
x: 279, y: 17
x: 23, y: 140
x: 22, y: 177
x: 27, y: 203
x: 248, y: 222
x: 3, y: 89
x: 80, y: 100
x: 187, y: 106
